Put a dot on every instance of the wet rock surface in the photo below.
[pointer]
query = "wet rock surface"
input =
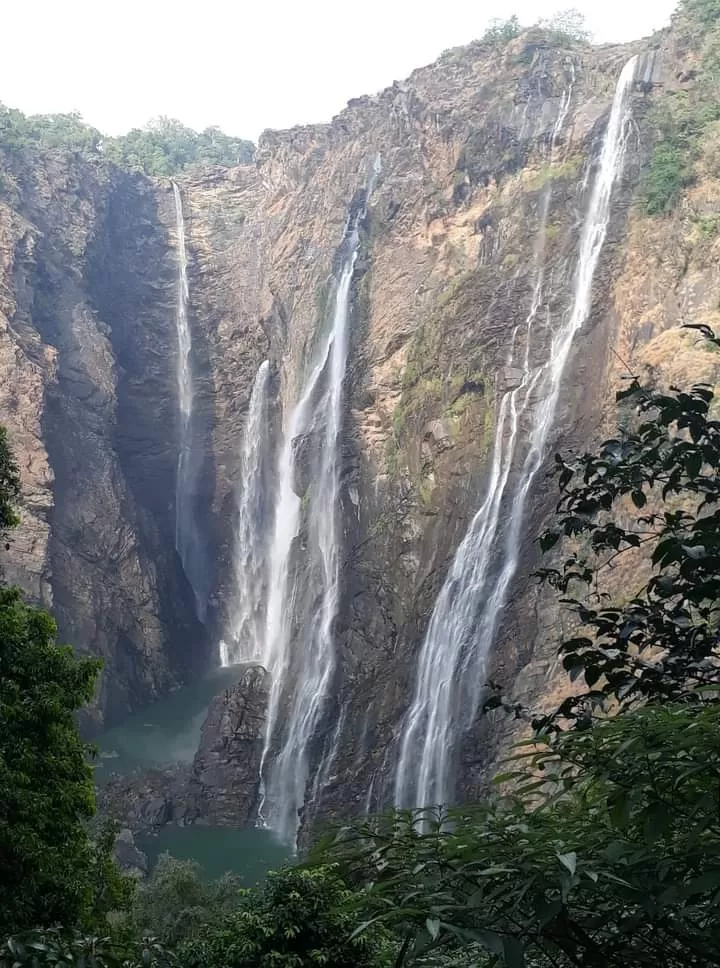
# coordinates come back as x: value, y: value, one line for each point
x: 128, y: 856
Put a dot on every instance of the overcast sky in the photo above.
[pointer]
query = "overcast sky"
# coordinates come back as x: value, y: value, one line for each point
x: 246, y: 65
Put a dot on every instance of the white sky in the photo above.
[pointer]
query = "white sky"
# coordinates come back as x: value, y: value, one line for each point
x: 246, y: 65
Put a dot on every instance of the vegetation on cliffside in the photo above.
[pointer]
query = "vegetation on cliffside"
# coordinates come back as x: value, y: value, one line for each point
x: 603, y: 847
x: 166, y: 147
x: 50, y: 869
x: 685, y: 119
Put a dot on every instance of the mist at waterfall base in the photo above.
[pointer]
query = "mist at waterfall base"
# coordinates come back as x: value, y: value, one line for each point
x: 451, y: 669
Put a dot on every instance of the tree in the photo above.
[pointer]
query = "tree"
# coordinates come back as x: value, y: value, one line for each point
x: 566, y: 26
x: 46, y: 786
x: 500, y: 32
x: 55, y: 947
x: 165, y: 147
x: 660, y: 643
x: 604, y: 849
x: 175, y: 902
x: 300, y: 918
x: 605, y: 855
x: 9, y: 486
x: 49, y: 868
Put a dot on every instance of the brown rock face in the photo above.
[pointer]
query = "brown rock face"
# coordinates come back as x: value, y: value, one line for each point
x: 486, y: 161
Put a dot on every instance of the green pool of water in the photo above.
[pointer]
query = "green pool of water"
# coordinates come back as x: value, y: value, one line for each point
x: 249, y: 854
x: 167, y: 731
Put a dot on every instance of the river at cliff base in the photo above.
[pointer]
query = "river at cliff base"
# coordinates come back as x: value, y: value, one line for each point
x: 249, y: 854
x: 168, y: 732
x: 165, y: 732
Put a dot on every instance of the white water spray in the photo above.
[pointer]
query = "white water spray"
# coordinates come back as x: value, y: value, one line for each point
x: 451, y: 670
x: 187, y: 543
x: 299, y: 648
x: 245, y: 633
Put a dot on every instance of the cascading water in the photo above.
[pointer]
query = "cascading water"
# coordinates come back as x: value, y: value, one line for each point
x: 463, y: 623
x: 300, y: 655
x: 187, y: 539
x: 245, y: 633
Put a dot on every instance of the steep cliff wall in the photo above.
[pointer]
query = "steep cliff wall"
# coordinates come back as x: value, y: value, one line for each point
x: 664, y: 275
x: 88, y: 398
x: 487, y: 158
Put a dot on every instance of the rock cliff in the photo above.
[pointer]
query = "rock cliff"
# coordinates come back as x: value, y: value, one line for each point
x: 486, y: 160
x: 88, y: 395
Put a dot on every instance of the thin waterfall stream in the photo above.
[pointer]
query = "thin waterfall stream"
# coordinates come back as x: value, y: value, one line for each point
x: 451, y: 666
x: 245, y: 632
x: 187, y: 538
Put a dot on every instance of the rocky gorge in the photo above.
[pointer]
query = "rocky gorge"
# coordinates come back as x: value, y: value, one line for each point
x: 405, y: 271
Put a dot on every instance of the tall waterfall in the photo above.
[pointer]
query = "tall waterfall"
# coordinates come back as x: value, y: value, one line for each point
x: 453, y: 657
x: 187, y: 537
x: 245, y: 633
x: 299, y: 648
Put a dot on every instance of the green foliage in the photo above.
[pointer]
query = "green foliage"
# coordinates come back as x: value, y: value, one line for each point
x: 703, y: 12
x: 50, y: 870
x: 46, y: 131
x: 9, y: 486
x: 669, y: 172
x: 111, y: 890
x: 166, y: 147
x: 300, y: 918
x: 566, y: 27
x: 606, y: 854
x: 61, y: 948
x: 605, y: 848
x: 500, y: 32
x: 175, y: 902
x: 682, y: 118
x: 708, y: 227
x: 46, y: 786
x: 660, y: 644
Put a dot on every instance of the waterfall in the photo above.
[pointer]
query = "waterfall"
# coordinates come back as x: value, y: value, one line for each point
x: 244, y: 639
x: 451, y: 668
x: 299, y: 648
x: 187, y: 537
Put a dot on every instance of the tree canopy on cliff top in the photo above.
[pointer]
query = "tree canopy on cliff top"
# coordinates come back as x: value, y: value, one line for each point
x: 164, y: 147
